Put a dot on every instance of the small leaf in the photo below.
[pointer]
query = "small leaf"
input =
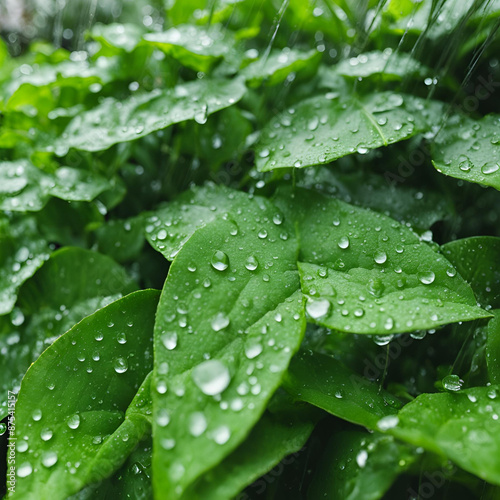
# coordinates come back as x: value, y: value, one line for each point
x: 79, y: 429
x: 360, y: 466
x: 462, y: 426
x: 326, y: 383
x: 25, y: 187
x: 197, y: 47
x: 278, y: 65
x: 469, y: 149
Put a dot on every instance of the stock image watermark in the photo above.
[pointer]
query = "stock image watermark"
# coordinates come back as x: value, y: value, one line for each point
x: 11, y: 446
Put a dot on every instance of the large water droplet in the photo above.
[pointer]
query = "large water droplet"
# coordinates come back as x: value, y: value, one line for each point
x: 380, y: 257
x: 317, y: 308
x: 24, y: 469
x: 49, y: 458
x: 222, y: 434
x: 343, y: 242
x: 169, y: 340
x: 120, y: 365
x: 212, y: 377
x: 220, y: 261
x: 252, y: 263
x: 197, y: 423
x: 219, y: 322
x: 490, y: 168
x: 74, y: 421
x: 452, y: 383
x: 427, y: 277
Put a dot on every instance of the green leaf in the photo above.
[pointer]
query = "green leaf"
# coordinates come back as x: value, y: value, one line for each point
x: 469, y: 149
x: 476, y: 259
x: 25, y: 187
x: 324, y: 128
x: 117, y: 38
x: 270, y: 441
x: 463, y: 427
x: 327, y: 384
x: 116, y: 121
x: 230, y: 304
x: 363, y: 272
x: 196, y: 47
x: 386, y: 64
x: 493, y: 348
x: 78, y: 429
x: 49, y: 304
x: 275, y: 68
x: 360, y: 466
x: 171, y: 227
x: 22, y: 252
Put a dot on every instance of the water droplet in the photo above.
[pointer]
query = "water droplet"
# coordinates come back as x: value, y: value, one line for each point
x: 317, y: 308
x: 220, y: 261
x: 163, y: 418
x: 452, y: 383
x: 464, y: 164
x: 122, y: 338
x: 427, y: 277
x: 74, y: 421
x: 120, y: 365
x: 380, y: 257
x: 197, y: 423
x: 221, y: 435
x: 3, y: 428
x: 278, y: 219
x: 212, y: 377
x: 49, y: 458
x: 386, y: 423
x: 490, y: 167
x: 169, y: 340
x: 24, y: 469
x: 253, y: 350
x: 361, y: 458
x: 343, y: 242
x: 36, y: 415
x: 22, y: 446
x: 451, y: 271
x: 46, y: 434
x: 262, y: 234
x: 252, y: 263
x: 219, y: 322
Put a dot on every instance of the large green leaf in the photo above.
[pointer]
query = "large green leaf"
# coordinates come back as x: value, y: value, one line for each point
x: 360, y: 466
x: 22, y: 252
x: 469, y: 149
x: 66, y: 446
x: 115, y: 121
x: 229, y: 320
x: 462, y: 426
x: 323, y: 128
x: 363, y: 272
x: 326, y: 383
x: 25, y: 187
x: 50, y: 304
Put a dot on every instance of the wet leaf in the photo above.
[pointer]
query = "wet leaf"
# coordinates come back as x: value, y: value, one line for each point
x: 469, y: 149
x: 326, y: 383
x: 224, y: 341
x: 275, y: 68
x: 363, y: 272
x: 105, y: 413
x: 323, y: 128
x: 27, y: 188
x: 197, y: 47
x: 360, y: 466
x: 462, y: 426
x: 49, y: 305
x: 115, y: 121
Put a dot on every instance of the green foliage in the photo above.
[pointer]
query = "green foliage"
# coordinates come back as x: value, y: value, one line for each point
x: 329, y: 318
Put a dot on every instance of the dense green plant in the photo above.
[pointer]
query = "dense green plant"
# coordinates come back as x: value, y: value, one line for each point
x: 328, y: 321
